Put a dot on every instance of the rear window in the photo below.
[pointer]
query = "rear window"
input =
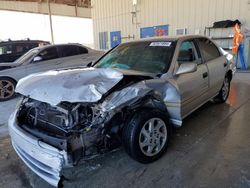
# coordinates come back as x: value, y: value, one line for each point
x: 67, y: 51
x: 82, y: 50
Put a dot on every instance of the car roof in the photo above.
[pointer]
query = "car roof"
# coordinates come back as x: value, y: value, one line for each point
x: 22, y: 41
x: 169, y: 38
x: 59, y: 45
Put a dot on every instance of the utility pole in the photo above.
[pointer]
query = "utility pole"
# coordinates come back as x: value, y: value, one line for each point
x: 50, y: 22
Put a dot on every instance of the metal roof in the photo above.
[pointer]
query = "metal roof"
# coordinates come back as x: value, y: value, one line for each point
x: 72, y: 8
x: 78, y: 3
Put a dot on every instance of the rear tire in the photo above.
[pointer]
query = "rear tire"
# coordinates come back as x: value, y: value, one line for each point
x: 7, y: 88
x: 224, y: 92
x: 146, y: 136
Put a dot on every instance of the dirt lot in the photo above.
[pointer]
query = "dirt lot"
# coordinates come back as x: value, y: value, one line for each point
x: 212, y: 149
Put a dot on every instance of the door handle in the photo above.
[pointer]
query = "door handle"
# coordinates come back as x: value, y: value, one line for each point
x: 205, y: 75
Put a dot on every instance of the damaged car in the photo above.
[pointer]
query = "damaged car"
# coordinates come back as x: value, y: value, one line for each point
x: 132, y: 96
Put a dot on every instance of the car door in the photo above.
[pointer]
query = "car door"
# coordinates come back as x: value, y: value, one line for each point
x: 72, y: 56
x: 45, y: 60
x: 87, y: 55
x: 215, y: 62
x: 192, y: 86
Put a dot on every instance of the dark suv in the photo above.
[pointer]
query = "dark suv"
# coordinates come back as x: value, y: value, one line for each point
x: 12, y: 50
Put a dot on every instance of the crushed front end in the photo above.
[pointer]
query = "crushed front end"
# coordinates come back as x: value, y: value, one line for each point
x: 51, y: 131
x: 49, y: 138
x: 45, y: 160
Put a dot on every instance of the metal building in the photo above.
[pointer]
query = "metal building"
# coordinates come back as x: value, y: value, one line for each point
x: 118, y: 21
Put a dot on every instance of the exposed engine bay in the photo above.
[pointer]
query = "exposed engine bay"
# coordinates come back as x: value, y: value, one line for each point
x: 75, y: 128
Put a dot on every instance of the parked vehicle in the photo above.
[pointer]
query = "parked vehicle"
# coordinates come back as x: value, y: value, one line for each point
x: 42, y: 59
x: 132, y: 96
x: 12, y: 50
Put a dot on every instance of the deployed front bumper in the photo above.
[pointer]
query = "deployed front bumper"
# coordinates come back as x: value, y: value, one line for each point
x: 46, y: 161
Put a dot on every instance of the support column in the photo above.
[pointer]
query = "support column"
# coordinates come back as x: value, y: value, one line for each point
x: 50, y: 22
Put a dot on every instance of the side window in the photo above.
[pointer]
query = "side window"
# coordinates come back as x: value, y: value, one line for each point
x: 83, y: 50
x: 1, y: 50
x: 33, y: 45
x: 187, y: 52
x: 208, y: 50
x: 69, y: 51
x: 19, y: 48
x: 5, y: 49
x: 48, y: 54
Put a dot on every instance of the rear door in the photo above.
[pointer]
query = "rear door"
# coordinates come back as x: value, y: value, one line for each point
x: 215, y: 62
x: 192, y: 86
x: 72, y: 56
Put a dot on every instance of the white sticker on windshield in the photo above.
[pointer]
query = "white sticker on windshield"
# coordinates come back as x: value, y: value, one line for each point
x: 166, y: 44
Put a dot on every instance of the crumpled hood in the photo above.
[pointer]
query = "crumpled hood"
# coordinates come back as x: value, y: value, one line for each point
x: 76, y: 85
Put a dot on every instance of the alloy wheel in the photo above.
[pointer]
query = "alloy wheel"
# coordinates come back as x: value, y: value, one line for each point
x: 153, y: 137
x: 7, y: 89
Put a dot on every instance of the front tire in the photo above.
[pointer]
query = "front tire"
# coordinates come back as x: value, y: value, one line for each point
x: 7, y: 88
x: 224, y: 92
x: 146, y: 136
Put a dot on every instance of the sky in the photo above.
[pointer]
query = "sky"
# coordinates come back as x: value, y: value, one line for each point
x: 19, y: 25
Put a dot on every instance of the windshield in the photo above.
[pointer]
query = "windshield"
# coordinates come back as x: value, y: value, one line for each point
x: 151, y: 57
x: 28, y: 56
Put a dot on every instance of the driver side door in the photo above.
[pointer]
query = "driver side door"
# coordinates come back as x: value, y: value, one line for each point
x: 46, y: 60
x: 192, y: 86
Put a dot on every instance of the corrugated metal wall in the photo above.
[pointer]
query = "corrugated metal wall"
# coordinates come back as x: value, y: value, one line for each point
x: 195, y: 15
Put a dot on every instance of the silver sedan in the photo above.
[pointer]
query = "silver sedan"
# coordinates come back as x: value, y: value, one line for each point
x: 42, y: 59
x: 132, y: 96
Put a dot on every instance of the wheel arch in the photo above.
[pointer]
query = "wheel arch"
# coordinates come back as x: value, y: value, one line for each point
x: 130, y: 134
x: 148, y: 102
x: 4, y: 77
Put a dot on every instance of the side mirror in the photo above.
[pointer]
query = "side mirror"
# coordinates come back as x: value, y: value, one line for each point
x: 186, y: 68
x: 90, y: 64
x: 37, y: 58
